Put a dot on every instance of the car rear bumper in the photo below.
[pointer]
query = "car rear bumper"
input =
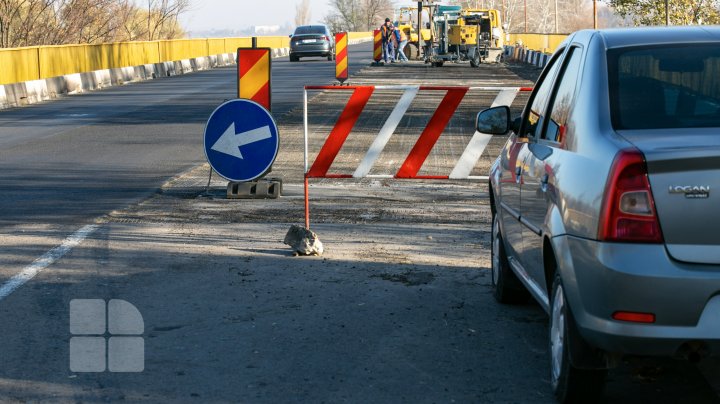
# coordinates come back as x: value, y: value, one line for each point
x: 311, y: 50
x: 603, y: 278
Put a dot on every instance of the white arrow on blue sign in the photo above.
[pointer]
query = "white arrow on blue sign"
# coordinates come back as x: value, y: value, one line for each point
x: 241, y: 140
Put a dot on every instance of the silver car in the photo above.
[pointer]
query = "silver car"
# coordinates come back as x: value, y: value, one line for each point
x: 606, y: 200
x: 312, y: 40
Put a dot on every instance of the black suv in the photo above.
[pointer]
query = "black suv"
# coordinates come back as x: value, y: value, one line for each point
x: 312, y: 40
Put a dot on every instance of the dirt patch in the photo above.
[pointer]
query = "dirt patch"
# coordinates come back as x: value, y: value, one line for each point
x: 409, y: 278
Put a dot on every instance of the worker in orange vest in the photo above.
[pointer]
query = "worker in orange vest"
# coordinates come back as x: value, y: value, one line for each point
x: 401, y: 41
x: 387, y: 42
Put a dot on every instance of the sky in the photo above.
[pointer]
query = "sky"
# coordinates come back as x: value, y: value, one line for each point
x: 206, y: 15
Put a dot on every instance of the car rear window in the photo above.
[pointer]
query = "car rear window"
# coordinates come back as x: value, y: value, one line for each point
x: 309, y: 29
x: 665, y: 87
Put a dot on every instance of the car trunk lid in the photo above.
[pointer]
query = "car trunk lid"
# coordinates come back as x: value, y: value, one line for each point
x: 684, y: 174
x: 303, y: 39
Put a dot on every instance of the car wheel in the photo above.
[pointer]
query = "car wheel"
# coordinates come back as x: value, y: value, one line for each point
x: 294, y: 58
x: 331, y: 57
x: 507, y: 287
x: 570, y: 384
x: 438, y: 64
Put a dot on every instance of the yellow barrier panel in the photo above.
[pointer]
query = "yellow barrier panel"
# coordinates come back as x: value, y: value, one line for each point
x: 273, y: 42
x: 34, y: 63
x: 360, y: 35
x: 216, y: 46
x: 232, y: 44
x: 538, y: 42
x: 61, y: 60
x: 179, y: 49
x: 19, y: 64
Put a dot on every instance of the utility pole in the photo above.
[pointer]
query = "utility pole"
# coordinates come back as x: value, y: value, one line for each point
x: 595, y: 25
x: 526, y: 16
x: 556, y: 17
x: 421, y: 42
x: 149, y: 12
x: 667, y: 14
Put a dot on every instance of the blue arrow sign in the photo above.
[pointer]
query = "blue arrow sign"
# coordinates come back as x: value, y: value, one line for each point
x: 241, y: 140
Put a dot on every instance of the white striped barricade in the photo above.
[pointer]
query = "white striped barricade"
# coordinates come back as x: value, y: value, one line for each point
x: 423, y: 146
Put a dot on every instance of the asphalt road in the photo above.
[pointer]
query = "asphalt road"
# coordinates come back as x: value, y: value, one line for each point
x: 399, y: 309
x: 65, y: 163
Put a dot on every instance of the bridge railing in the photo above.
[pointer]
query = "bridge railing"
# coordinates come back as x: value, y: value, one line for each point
x: 538, y: 42
x: 44, y: 62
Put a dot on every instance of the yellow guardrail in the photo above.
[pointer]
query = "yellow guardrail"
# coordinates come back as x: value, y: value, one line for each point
x: 538, y: 42
x: 359, y: 35
x: 42, y: 62
x: 19, y: 64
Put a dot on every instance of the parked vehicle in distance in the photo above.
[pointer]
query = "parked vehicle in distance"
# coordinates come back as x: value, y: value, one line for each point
x: 312, y: 40
x: 605, y: 201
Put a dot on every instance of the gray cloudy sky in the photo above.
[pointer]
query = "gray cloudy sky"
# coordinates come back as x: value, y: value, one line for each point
x: 238, y: 14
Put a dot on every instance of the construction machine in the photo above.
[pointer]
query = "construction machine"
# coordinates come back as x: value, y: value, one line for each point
x: 474, y: 35
x: 407, y: 22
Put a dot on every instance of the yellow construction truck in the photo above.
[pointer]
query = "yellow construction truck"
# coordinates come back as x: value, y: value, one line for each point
x: 474, y: 35
x: 407, y: 22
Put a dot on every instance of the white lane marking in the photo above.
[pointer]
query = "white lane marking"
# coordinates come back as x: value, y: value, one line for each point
x: 386, y: 132
x: 479, y: 141
x: 46, y: 260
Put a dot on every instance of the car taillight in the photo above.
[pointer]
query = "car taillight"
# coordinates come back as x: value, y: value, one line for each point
x: 633, y: 317
x: 628, y: 211
x: 326, y: 38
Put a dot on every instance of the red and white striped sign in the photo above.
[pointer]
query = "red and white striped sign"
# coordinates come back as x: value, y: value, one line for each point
x: 423, y: 146
x: 428, y: 138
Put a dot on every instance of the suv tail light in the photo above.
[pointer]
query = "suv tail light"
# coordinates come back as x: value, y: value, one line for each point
x: 327, y: 38
x: 628, y: 210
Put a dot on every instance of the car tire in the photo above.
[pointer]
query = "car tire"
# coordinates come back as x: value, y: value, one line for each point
x: 569, y: 383
x: 331, y: 57
x: 506, y: 286
x: 475, y: 60
x: 294, y: 58
x: 438, y: 64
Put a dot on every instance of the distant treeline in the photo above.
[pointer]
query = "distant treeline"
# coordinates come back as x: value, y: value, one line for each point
x: 60, y: 22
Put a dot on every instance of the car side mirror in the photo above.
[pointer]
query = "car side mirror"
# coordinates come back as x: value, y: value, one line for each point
x: 290, y: 36
x: 494, y: 121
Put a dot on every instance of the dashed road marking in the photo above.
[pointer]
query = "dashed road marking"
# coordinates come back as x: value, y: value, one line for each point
x: 46, y: 260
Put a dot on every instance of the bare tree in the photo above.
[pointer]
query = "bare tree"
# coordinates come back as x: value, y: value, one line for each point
x: 358, y: 15
x: 21, y: 21
x: 542, y: 18
x: 302, y: 13
x: 375, y: 11
x: 163, y: 18
x: 55, y: 22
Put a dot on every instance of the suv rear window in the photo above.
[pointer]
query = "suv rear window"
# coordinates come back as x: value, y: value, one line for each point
x: 310, y: 29
x: 665, y: 87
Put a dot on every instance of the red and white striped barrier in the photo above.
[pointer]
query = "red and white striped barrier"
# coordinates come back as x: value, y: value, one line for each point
x: 423, y: 146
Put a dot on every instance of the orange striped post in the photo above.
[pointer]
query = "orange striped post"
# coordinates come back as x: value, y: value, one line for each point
x: 254, y: 75
x: 377, y: 47
x: 341, y: 56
